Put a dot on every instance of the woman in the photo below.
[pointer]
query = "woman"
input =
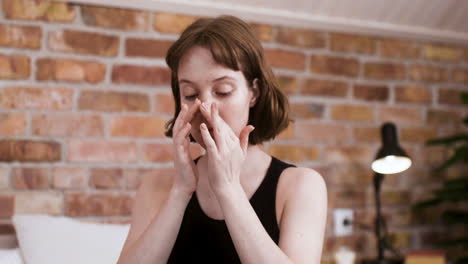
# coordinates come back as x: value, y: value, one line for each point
x: 236, y: 203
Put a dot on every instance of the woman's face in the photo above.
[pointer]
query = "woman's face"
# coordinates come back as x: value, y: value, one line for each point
x: 201, y: 77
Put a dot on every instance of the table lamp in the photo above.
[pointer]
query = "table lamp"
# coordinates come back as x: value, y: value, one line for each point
x: 390, y: 159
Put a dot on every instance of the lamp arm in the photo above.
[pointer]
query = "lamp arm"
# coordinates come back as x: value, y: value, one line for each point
x: 378, y: 178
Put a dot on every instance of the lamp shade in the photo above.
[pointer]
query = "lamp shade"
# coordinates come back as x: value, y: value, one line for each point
x: 391, y: 158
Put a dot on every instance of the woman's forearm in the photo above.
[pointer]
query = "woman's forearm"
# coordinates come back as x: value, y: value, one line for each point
x: 156, y: 242
x: 251, y: 240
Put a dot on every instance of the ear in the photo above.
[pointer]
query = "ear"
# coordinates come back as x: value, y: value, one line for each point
x: 255, y: 92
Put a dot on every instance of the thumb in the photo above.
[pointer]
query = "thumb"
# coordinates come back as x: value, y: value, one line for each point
x: 244, y: 137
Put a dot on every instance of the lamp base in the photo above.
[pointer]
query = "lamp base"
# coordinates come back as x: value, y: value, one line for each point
x: 384, y: 261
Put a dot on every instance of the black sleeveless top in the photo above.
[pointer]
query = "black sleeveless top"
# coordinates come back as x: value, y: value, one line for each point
x: 202, y: 239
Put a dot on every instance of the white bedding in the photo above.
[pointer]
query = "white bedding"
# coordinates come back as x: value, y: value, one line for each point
x: 10, y: 256
x: 58, y: 240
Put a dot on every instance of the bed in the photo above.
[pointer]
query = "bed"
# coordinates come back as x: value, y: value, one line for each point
x: 41, y: 239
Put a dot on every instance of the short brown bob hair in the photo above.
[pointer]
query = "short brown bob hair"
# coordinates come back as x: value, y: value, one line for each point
x: 233, y: 44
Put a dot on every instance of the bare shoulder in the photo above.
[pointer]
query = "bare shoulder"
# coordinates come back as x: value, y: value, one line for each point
x: 306, y: 181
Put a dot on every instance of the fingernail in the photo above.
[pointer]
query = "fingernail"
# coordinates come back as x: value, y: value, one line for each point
x: 203, y: 126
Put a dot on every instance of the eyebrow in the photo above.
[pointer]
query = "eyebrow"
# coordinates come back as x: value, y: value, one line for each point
x: 215, y: 80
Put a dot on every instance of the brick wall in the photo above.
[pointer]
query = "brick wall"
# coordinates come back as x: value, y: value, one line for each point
x: 84, y: 94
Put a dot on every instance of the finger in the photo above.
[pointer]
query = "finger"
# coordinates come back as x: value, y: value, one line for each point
x: 224, y: 132
x: 180, y: 117
x: 205, y: 109
x: 208, y: 140
x: 193, y: 109
x: 244, y: 137
x: 183, y: 134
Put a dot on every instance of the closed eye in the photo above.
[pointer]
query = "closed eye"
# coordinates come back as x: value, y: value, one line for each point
x: 224, y: 94
x: 190, y: 97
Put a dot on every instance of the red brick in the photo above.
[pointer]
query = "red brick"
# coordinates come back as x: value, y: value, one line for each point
x: 385, y: 71
x: 367, y: 92
x: 390, y: 198
x: 417, y: 135
x: 294, y: 153
x: 346, y: 198
x: 303, y: 38
x: 324, y: 64
x: 428, y: 155
x: 39, y: 10
x: 157, y: 152
x: 316, y: 132
x: 262, y: 32
x: 70, y: 178
x: 366, y: 134
x: 352, y: 113
x: 172, y: 23
x: 426, y: 73
x: 437, y: 117
x: 307, y: 110
x: 288, y: 133
x: 400, y: 239
x: 141, y: 75
x: 134, y: 176
x: 399, y: 48
x: 152, y: 48
x: 285, y: 59
x: 28, y: 150
x: 137, y: 126
x: 351, y: 174
x: 70, y: 70
x: 413, y: 94
x: 31, y: 178
x: 115, y: 18
x: 101, y: 151
x: 401, y: 115
x: 353, y: 43
x: 113, y: 101
x: 450, y: 96
x: 4, y: 178
x: 442, y: 53
x: 7, y: 203
x: 26, y: 37
x: 107, y: 178
x: 164, y: 104
x: 460, y: 76
x: 50, y: 203
x: 67, y: 125
x: 287, y: 84
x: 20, y: 97
x: 14, y: 67
x: 12, y: 123
x: 324, y: 88
x: 98, y: 204
x: 81, y: 42
x: 354, y: 154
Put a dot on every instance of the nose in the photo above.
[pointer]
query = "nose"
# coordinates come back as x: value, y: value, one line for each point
x: 205, y: 98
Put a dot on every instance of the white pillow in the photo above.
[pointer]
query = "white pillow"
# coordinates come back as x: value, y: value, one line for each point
x: 47, y: 239
x: 10, y: 256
